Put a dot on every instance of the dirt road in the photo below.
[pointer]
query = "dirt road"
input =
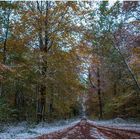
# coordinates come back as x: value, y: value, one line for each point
x: 87, y: 130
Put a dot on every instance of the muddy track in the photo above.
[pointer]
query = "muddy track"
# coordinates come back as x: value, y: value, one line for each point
x: 87, y: 130
x: 119, y: 132
x: 115, y: 133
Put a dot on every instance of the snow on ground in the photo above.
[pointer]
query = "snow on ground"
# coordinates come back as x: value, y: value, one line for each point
x: 117, y: 123
x: 23, y: 130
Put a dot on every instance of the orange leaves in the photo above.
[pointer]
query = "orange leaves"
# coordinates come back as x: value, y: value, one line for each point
x: 96, y: 60
x: 89, y: 36
x: 4, y: 68
x: 135, y: 56
x: 72, y: 5
x: 135, y: 59
x: 136, y: 50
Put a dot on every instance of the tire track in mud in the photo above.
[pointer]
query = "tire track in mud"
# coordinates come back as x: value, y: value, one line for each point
x: 57, y: 134
x: 112, y: 132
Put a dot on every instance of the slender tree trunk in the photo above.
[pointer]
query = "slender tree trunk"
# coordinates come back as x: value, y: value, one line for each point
x: 41, y: 103
x: 0, y: 89
x: 5, y: 48
x: 130, y: 71
x: 19, y: 100
x: 99, y: 94
x: 128, y: 67
x: 5, y: 40
x: 51, y: 107
x: 115, y: 88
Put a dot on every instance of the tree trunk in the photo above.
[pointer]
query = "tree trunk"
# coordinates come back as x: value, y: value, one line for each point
x: 115, y: 88
x: 42, y: 92
x: 19, y: 100
x: 42, y: 88
x: 130, y: 71
x: 5, y: 40
x: 41, y: 103
x: 99, y: 94
x: 51, y: 108
x: 5, y: 48
x: 1, y: 89
x: 51, y: 102
x: 127, y: 66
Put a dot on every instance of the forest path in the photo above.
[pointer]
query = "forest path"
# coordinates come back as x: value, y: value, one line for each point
x: 87, y: 130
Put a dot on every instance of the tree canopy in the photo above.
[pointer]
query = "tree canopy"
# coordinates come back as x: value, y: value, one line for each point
x: 56, y: 56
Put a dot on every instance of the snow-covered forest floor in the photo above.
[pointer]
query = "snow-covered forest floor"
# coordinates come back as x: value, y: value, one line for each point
x: 25, y: 130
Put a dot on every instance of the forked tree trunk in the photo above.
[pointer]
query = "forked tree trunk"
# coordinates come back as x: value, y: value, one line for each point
x: 41, y: 101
